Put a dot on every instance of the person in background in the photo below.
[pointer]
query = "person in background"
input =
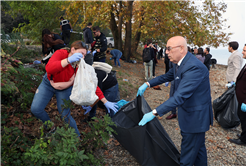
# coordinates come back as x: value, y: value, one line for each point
x: 208, y: 57
x: 195, y: 51
x: 155, y: 59
x: 166, y: 61
x: 100, y: 45
x: 149, y: 65
x: 50, y: 43
x: 65, y: 27
x: 87, y: 34
x: 189, y: 50
x: 200, y: 55
x: 160, y: 53
x: 192, y: 96
x: 235, y: 62
x: 241, y: 98
x: 116, y: 55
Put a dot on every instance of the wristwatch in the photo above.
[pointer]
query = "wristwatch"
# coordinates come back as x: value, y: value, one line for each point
x: 155, y: 112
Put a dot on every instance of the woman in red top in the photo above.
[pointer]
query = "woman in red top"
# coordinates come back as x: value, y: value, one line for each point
x: 59, y: 80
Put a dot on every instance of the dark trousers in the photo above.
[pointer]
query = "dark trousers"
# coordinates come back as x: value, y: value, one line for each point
x: 153, y: 71
x: 66, y: 36
x: 167, y: 66
x: 242, y: 117
x: 193, y: 150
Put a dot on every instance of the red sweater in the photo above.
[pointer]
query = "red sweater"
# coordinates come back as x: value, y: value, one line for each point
x: 63, y: 74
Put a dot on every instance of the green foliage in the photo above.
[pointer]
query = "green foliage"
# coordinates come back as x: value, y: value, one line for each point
x: 13, y: 145
x: 40, y: 14
x: 97, y: 138
x: 17, y: 85
x: 57, y: 149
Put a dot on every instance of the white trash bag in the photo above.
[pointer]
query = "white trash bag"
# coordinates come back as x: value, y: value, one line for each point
x: 85, y: 84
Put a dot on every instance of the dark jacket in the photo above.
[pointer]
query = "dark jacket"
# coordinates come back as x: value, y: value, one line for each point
x: 207, y: 61
x: 101, y: 43
x: 240, y: 86
x: 87, y: 34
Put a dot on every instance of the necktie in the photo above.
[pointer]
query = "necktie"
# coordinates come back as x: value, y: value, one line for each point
x: 176, y: 69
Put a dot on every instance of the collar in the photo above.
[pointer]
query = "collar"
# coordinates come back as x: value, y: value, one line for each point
x: 180, y: 61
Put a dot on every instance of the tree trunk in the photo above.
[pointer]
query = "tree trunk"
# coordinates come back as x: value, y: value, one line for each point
x: 128, y: 37
x: 114, y: 29
x: 120, y: 21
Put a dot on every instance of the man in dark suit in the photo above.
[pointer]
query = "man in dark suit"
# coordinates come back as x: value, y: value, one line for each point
x: 191, y: 96
x: 241, y: 97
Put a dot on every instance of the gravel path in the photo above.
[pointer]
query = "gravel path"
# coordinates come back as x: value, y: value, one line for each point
x: 219, y: 150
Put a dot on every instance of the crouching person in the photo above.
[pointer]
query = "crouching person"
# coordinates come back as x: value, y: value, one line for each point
x: 108, y: 84
x: 59, y: 81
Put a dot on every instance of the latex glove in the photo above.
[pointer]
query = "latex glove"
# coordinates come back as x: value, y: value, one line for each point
x: 166, y: 83
x: 75, y: 57
x: 141, y: 89
x: 86, y: 108
x: 243, y: 107
x: 94, y: 52
x: 230, y: 84
x: 110, y: 58
x: 110, y: 105
x: 71, y: 30
x: 146, y: 118
x: 88, y: 52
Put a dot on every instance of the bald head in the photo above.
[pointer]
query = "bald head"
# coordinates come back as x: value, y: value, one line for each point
x: 178, y: 49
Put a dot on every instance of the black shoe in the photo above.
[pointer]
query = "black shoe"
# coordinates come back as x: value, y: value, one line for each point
x: 237, y: 141
x: 238, y: 135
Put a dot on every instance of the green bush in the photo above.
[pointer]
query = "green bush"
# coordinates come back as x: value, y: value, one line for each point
x: 13, y: 146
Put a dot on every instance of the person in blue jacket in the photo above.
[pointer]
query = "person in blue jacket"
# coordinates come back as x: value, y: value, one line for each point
x: 116, y: 55
x: 191, y: 96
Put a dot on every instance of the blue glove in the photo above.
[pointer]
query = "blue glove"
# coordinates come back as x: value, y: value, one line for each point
x: 110, y: 58
x: 94, y: 52
x: 61, y: 33
x: 110, y: 105
x: 146, y: 118
x: 75, y: 57
x: 141, y: 89
x: 230, y: 84
x: 166, y: 83
x: 243, y: 107
x: 88, y: 52
x: 86, y: 108
x: 71, y: 30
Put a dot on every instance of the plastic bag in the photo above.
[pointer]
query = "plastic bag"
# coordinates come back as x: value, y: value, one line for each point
x: 225, y: 109
x: 85, y: 84
x: 149, y: 144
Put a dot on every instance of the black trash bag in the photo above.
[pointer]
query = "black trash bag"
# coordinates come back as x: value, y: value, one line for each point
x: 225, y: 109
x: 149, y: 144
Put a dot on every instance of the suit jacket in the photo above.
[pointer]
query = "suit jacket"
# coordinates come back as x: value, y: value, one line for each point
x: 191, y: 96
x: 235, y: 62
x: 241, y: 86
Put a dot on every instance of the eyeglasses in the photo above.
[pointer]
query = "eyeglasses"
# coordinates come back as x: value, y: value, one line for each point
x: 83, y: 45
x: 169, y: 48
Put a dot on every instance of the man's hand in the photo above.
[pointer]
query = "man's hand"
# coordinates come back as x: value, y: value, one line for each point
x: 142, y: 89
x: 230, y: 84
x: 146, y: 118
x: 98, y: 50
x: 166, y: 83
x: 93, y: 53
x: 243, y: 107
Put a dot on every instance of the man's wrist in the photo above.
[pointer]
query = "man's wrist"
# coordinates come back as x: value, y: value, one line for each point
x: 155, y: 112
x: 147, y: 84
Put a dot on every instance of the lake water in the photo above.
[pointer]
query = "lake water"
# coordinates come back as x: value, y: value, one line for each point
x: 222, y: 55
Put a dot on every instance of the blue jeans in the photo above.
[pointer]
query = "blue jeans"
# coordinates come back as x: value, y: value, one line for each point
x: 117, y: 59
x: 42, y: 97
x: 112, y: 94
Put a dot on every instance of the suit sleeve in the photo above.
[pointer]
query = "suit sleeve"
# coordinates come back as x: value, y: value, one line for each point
x: 168, y: 77
x: 237, y: 65
x: 104, y: 45
x: 191, y: 80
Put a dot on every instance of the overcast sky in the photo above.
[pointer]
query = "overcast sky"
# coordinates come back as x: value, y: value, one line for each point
x: 235, y: 15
